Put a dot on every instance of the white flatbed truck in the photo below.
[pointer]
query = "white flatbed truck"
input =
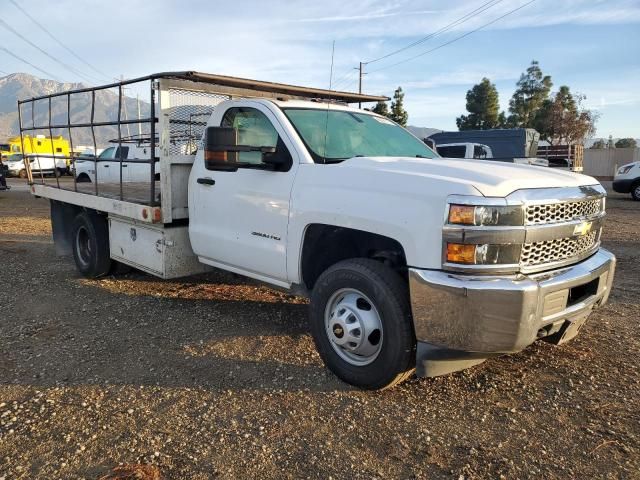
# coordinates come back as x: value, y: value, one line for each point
x: 412, y: 262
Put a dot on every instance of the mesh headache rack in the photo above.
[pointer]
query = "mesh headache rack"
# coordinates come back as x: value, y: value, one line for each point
x: 164, y: 112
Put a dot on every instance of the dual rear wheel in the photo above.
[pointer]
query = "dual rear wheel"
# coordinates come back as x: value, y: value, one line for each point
x: 90, y: 244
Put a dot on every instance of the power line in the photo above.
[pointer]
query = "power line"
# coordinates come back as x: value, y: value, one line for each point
x: 50, y: 75
x: 455, y: 39
x: 18, y: 34
x: 346, y: 80
x: 15, y: 4
x: 459, y: 21
x: 342, y: 78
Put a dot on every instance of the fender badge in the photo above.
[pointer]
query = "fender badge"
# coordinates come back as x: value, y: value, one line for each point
x: 582, y: 229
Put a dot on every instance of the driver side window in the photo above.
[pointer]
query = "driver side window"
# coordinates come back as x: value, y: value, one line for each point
x: 254, y: 130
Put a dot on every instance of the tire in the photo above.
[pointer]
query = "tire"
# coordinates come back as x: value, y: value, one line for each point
x: 343, y: 292
x: 22, y: 173
x: 635, y: 191
x: 90, y: 245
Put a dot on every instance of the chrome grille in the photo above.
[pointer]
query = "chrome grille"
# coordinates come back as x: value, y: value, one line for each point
x: 540, y: 253
x: 563, y: 211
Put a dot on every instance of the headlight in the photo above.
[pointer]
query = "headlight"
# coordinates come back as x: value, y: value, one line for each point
x: 486, y: 215
x: 624, y: 169
x: 485, y: 254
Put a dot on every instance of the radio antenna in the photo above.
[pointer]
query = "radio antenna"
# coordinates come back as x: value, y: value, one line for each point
x: 326, y: 123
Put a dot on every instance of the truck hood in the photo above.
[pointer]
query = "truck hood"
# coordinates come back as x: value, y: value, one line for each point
x: 490, y: 178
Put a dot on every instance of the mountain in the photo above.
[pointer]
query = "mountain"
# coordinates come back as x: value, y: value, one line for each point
x: 20, y: 86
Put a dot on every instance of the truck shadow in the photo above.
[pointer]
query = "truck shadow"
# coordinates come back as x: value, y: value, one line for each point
x: 212, y: 332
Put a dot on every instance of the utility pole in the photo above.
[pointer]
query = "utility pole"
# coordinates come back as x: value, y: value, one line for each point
x: 360, y: 85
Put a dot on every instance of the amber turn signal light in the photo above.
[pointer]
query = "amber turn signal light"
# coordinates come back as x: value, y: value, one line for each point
x: 462, y: 214
x: 215, y: 156
x: 459, y: 253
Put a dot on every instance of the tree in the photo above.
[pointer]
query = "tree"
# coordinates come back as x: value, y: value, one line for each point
x: 626, y: 143
x: 398, y: 114
x: 381, y: 108
x: 531, y: 92
x: 562, y: 119
x: 599, y: 144
x: 483, y: 107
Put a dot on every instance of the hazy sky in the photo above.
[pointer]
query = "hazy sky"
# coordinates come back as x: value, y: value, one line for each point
x: 591, y: 45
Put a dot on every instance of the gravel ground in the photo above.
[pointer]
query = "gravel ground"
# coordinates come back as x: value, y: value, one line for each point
x: 213, y: 376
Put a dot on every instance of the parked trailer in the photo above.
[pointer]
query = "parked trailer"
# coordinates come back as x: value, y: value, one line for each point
x: 411, y: 261
x: 563, y: 156
x: 504, y: 142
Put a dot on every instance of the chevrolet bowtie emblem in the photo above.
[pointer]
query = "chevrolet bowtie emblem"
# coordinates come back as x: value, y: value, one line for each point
x: 582, y: 229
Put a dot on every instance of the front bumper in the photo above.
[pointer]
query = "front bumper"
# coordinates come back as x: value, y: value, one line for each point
x: 461, y: 320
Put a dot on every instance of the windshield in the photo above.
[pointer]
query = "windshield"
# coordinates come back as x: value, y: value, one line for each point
x: 334, y: 135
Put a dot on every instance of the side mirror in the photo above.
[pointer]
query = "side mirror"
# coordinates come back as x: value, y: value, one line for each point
x: 221, y: 149
x: 219, y: 145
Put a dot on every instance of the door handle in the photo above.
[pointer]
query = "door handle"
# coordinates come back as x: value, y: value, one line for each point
x: 206, y: 181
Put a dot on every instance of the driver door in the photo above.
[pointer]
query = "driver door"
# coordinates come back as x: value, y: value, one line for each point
x: 239, y: 219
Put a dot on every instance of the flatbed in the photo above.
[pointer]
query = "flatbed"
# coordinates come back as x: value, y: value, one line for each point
x: 180, y: 104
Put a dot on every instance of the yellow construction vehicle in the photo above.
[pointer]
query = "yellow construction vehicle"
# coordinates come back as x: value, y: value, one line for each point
x: 58, y: 146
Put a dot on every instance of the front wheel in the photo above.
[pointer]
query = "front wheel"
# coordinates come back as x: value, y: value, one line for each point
x: 635, y: 192
x: 22, y: 173
x: 361, y: 324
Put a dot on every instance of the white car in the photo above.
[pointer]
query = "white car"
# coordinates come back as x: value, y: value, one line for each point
x: 627, y: 180
x: 135, y: 165
x: 39, y: 163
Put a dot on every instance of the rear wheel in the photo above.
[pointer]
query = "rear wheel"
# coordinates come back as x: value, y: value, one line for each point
x: 90, y: 245
x: 361, y: 324
x: 635, y: 191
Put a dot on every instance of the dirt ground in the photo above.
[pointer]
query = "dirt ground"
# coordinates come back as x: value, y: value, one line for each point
x: 215, y: 377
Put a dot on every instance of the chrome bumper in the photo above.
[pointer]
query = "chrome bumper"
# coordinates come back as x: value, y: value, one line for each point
x: 460, y: 320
